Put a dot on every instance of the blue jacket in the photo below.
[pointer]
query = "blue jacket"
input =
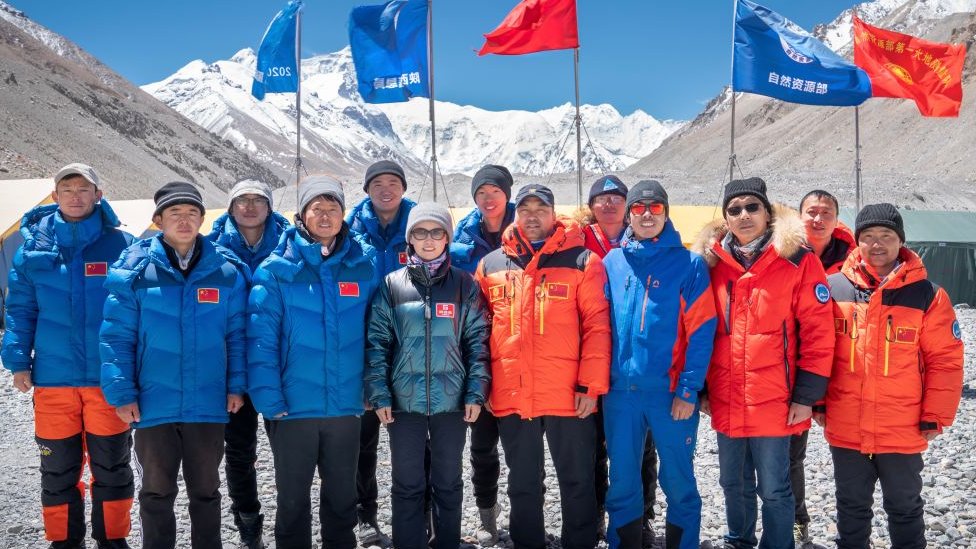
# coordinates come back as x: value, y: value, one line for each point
x: 175, y: 345
x: 226, y: 233
x: 468, y: 245
x: 306, y: 328
x: 663, y: 315
x: 391, y: 253
x: 56, y: 294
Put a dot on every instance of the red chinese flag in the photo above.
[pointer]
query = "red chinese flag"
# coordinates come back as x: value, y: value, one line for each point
x: 535, y: 25
x: 901, y: 65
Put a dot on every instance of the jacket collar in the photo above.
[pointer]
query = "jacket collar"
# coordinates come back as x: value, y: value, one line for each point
x: 566, y: 234
x: 469, y: 228
x: 788, y: 239
x: 669, y: 238
x: 210, y: 259
x: 863, y: 275
x: 226, y: 232
x: 44, y: 229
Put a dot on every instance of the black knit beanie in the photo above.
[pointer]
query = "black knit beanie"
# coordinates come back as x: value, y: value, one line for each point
x: 493, y: 174
x: 649, y: 189
x: 753, y: 186
x: 381, y: 168
x: 879, y: 215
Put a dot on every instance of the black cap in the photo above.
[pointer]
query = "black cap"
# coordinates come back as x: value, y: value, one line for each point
x: 608, y: 184
x: 648, y: 189
x: 879, y: 215
x: 176, y: 193
x: 381, y: 168
x: 493, y: 174
x: 753, y: 186
x: 537, y: 190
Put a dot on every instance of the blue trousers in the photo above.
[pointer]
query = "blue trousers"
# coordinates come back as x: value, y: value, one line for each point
x: 627, y: 416
x: 757, y: 465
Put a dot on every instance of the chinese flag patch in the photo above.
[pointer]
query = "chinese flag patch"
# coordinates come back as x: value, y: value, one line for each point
x: 349, y: 289
x: 558, y: 290
x: 96, y: 269
x: 496, y: 292
x: 208, y: 295
x: 445, y: 310
x: 403, y: 258
x: 905, y: 335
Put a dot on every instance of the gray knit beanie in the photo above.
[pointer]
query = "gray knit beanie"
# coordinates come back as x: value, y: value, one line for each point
x: 319, y: 185
x: 431, y: 211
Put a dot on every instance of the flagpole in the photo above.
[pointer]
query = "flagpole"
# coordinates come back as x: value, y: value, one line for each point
x: 298, y: 102
x: 857, y: 158
x: 430, y: 84
x: 735, y: 10
x: 579, y: 139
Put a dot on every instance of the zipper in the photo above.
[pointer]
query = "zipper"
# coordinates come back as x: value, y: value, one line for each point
x: 887, y: 344
x: 853, y: 337
x: 427, y: 344
x: 511, y: 303
x: 786, y: 355
x: 647, y: 289
x: 728, y: 309
x: 542, y: 295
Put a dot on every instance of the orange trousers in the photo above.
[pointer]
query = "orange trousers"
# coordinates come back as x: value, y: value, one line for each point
x: 72, y: 426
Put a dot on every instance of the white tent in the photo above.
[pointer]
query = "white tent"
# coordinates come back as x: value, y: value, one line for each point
x: 17, y: 196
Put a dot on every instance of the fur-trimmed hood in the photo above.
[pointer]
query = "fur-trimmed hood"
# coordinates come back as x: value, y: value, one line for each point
x: 789, y: 235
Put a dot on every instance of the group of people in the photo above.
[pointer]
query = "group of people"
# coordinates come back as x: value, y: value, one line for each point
x: 602, y: 336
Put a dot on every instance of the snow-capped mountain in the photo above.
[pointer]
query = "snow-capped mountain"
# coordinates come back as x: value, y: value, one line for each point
x: 916, y: 17
x: 337, y: 124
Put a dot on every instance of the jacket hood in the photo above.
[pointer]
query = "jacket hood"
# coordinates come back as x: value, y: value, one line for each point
x: 363, y: 213
x: 566, y: 234
x: 789, y: 235
x: 294, y: 251
x: 863, y: 275
x: 584, y: 216
x: 469, y: 228
x: 39, y: 225
x: 135, y: 258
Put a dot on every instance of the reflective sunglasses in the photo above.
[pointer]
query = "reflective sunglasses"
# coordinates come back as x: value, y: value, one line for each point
x: 424, y: 234
x: 655, y: 208
x: 734, y: 211
x: 606, y: 200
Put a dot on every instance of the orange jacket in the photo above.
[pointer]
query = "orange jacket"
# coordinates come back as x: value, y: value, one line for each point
x: 758, y: 363
x: 898, y: 361
x: 841, y: 245
x: 550, y: 331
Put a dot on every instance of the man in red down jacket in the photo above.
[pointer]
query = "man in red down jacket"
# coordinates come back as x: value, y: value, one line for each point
x: 770, y: 294
x: 896, y: 381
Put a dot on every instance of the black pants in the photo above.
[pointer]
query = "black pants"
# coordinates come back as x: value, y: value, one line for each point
x: 855, y: 475
x: 798, y: 455
x: 240, y: 455
x: 572, y: 444
x: 160, y: 451
x: 410, y: 435
x: 485, y: 464
x: 366, y: 489
x: 299, y: 447
x: 602, y: 470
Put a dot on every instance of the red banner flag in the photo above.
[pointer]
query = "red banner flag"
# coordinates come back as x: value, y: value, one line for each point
x: 535, y: 25
x: 901, y: 65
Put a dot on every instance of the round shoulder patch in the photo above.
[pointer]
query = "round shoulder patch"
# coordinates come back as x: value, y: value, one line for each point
x: 956, y: 330
x: 822, y: 292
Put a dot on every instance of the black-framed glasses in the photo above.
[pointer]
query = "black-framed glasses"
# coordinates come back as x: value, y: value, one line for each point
x: 639, y: 208
x: 424, y: 234
x: 735, y: 211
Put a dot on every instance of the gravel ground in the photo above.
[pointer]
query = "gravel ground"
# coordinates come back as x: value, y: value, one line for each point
x: 949, y: 479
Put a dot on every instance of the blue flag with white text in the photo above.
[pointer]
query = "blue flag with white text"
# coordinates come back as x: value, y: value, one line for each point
x: 774, y: 57
x: 277, y: 70
x: 389, y: 50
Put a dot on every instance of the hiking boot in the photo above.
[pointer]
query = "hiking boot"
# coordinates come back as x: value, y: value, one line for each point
x: 648, y: 537
x: 601, y: 523
x: 801, y: 535
x: 250, y: 526
x: 369, y: 534
x: 487, y: 533
x: 113, y: 544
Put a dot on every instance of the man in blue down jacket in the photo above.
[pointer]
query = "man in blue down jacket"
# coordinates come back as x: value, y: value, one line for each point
x: 251, y: 229
x: 173, y: 362
x: 306, y: 330
x: 663, y: 326
x: 54, y: 310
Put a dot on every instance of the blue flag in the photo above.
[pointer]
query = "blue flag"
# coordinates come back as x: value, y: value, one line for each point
x: 278, y: 67
x: 389, y: 49
x: 774, y: 57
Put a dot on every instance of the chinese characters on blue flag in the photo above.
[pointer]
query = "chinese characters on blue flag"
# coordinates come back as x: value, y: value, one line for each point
x: 389, y: 50
x: 774, y: 57
x: 277, y: 69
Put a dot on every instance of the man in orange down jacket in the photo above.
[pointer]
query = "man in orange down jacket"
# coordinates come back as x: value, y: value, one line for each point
x: 896, y: 382
x: 550, y: 360
x: 54, y: 311
x: 832, y: 242
x: 770, y: 294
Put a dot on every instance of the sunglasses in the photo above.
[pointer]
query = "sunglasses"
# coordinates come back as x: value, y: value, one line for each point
x: 607, y: 200
x: 734, y: 211
x: 242, y: 202
x: 655, y: 208
x: 424, y: 234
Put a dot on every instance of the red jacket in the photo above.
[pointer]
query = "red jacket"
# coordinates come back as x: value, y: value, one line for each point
x: 550, y: 329
x: 841, y: 245
x: 758, y: 364
x: 898, y: 361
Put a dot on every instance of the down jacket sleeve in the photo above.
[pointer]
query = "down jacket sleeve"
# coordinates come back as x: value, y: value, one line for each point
x: 474, y: 343
x: 698, y: 327
x: 118, y: 339
x: 942, y: 358
x: 21, y: 319
x: 595, y: 347
x: 380, y: 342
x: 813, y: 308
x: 237, y: 338
x: 265, y: 310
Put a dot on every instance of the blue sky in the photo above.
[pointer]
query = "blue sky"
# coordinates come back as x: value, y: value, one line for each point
x: 667, y: 58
